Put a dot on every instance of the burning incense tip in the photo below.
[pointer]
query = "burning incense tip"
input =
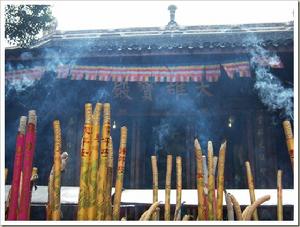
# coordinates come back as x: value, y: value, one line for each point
x: 96, y: 114
x: 224, y: 142
x: 22, y: 125
x: 197, y: 145
x: 209, y: 145
x: 289, y: 139
x: 88, y: 113
x: 288, y: 129
x: 32, y: 117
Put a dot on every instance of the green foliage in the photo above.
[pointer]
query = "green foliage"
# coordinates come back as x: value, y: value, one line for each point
x: 23, y: 23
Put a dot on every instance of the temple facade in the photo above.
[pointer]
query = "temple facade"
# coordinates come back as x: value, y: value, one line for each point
x: 168, y: 85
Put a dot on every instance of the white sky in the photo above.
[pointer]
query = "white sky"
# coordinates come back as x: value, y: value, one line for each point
x: 80, y: 15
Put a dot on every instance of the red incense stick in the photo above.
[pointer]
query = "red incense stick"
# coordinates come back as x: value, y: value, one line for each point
x: 27, y: 167
x: 15, y: 186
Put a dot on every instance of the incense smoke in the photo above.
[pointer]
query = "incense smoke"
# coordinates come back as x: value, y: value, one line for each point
x: 270, y: 89
x: 101, y: 95
x: 182, y: 122
x: 19, y: 85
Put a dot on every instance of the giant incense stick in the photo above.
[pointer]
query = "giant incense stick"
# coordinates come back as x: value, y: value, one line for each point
x: 154, y: 183
x: 64, y: 157
x: 84, y: 168
x: 49, y: 206
x: 250, y: 209
x: 215, y: 159
x: 178, y: 186
x: 251, y: 187
x: 27, y: 166
x: 229, y: 205
x: 147, y: 214
x: 220, y: 182
x: 7, y: 204
x: 20, y: 190
x: 102, y: 170
x: 56, y: 171
x: 237, y: 208
x: 108, y: 212
x: 211, y: 181
x: 279, y: 196
x: 200, y: 181
x: 289, y: 139
x: 177, y: 215
x: 15, y: 186
x: 120, y: 174
x: 205, y: 174
x: 168, y: 187
x: 91, y: 214
x: 33, y: 181
x: 157, y: 210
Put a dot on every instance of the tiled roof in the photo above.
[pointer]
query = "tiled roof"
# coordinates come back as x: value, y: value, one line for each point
x: 158, y: 39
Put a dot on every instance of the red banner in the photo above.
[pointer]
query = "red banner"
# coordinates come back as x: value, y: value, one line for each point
x: 194, y: 73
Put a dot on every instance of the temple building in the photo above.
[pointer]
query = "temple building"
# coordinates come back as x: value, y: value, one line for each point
x: 168, y: 85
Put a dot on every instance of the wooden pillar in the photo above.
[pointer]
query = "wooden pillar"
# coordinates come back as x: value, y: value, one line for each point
x: 250, y: 139
x: 132, y: 154
x: 260, y: 168
x: 271, y: 160
x: 143, y: 155
x: 192, y: 159
x: 188, y: 159
x: 72, y: 147
x: 137, y: 156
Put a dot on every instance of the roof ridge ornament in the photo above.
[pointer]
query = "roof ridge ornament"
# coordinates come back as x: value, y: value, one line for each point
x: 172, y: 23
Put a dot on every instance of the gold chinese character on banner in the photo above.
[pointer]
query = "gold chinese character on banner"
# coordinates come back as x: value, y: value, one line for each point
x: 121, y: 90
x: 202, y: 87
x: 178, y: 89
x: 147, y: 90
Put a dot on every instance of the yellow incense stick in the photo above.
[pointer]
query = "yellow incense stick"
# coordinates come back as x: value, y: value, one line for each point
x: 229, y: 205
x: 247, y: 215
x: 250, y: 181
x: 178, y: 186
x: 211, y: 181
x: 200, y: 181
x: 108, y: 211
x: 33, y: 179
x: 215, y: 161
x: 102, y: 170
x: 84, y: 168
x: 120, y: 174
x: 49, y: 206
x: 154, y: 183
x: 236, y: 207
x: 93, y: 166
x: 279, y: 196
x: 289, y: 139
x: 220, y: 180
x: 57, y: 171
x: 168, y: 187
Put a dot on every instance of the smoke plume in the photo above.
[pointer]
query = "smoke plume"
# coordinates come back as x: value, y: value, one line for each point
x: 270, y: 89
